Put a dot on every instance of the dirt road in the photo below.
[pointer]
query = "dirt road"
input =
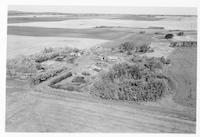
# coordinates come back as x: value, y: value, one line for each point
x: 73, y: 112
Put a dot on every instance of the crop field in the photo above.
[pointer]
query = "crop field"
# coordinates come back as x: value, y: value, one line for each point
x: 27, y: 45
x: 184, y: 72
x: 101, y: 73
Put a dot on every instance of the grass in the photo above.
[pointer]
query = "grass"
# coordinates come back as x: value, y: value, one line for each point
x: 184, y: 71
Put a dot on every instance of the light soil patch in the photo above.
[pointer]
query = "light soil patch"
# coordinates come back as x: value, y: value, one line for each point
x: 26, y: 45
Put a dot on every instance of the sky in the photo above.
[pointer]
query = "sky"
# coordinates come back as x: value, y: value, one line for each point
x: 109, y: 9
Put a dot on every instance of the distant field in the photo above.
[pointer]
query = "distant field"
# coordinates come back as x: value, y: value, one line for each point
x: 95, y: 33
x: 183, y: 24
x: 20, y: 17
x: 26, y: 45
x: 184, y: 72
x: 33, y: 19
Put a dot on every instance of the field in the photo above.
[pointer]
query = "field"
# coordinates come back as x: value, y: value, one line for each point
x: 90, y: 23
x: 69, y: 112
x: 185, y: 73
x: 27, y: 45
x: 76, y: 70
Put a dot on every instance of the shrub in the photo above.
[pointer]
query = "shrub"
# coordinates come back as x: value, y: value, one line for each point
x: 150, y: 63
x: 79, y: 79
x: 151, y: 50
x: 169, y: 36
x: 43, y: 76
x: 48, y: 50
x: 129, y: 53
x: 45, y: 56
x: 180, y: 33
x: 21, y: 65
x: 168, y: 61
x: 142, y: 48
x: 62, y: 77
x: 126, y: 81
x: 142, y: 32
x: 71, y: 60
x: 126, y: 46
x: 85, y: 73
x: 136, y: 59
x: 153, y: 63
x: 183, y: 44
x: 131, y: 46
x: 165, y: 61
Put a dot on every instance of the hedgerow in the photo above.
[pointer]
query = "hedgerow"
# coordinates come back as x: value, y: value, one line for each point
x: 45, y: 56
x: 43, y: 76
x: 60, y: 78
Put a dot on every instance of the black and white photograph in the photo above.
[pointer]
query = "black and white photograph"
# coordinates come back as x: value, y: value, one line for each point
x: 101, y: 69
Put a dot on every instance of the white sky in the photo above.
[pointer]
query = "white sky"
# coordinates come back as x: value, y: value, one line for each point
x: 108, y: 9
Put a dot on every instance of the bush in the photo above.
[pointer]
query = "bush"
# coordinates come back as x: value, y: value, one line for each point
x: 136, y: 59
x: 129, y: 82
x: 21, y: 65
x: 180, y: 33
x: 169, y: 36
x: 71, y: 60
x: 56, y: 80
x: 153, y: 63
x: 183, y: 44
x: 79, y: 79
x: 165, y: 61
x: 126, y: 46
x: 45, y: 75
x: 86, y: 73
x: 48, y: 50
x: 45, y: 56
x: 131, y: 47
x: 142, y: 32
x: 143, y: 48
x: 150, y: 63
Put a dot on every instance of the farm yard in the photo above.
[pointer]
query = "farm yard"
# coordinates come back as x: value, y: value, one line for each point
x: 69, y: 73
